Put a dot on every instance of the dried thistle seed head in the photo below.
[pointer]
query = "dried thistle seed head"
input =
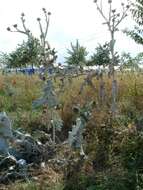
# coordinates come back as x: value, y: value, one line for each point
x: 38, y: 19
x: 15, y: 25
x: 75, y: 109
x: 22, y: 14
x: 95, y: 1
x: 127, y: 6
x: 44, y: 9
x: 109, y: 1
x: 114, y: 10
x: 49, y: 13
x: 8, y: 29
x: 28, y: 31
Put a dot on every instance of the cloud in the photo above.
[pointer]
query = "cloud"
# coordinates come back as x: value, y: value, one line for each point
x: 70, y: 20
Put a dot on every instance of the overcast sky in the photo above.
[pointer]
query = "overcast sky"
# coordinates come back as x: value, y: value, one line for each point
x: 70, y: 20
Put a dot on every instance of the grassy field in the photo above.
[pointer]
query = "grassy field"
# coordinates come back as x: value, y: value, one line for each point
x: 115, y: 145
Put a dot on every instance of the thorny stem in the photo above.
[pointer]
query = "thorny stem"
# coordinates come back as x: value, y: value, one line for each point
x: 113, y: 20
x: 47, y: 55
x: 112, y: 23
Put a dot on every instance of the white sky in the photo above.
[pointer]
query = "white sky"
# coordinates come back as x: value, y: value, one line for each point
x: 70, y: 20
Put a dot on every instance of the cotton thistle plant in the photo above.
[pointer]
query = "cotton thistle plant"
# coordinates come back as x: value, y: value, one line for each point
x: 75, y: 138
x: 47, y: 56
x: 113, y: 19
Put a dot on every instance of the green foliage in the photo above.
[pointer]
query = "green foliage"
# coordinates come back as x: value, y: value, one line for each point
x: 137, y: 11
x: 77, y: 55
x: 127, y: 61
x: 25, y: 54
x: 136, y: 34
x: 114, y: 147
x: 132, y: 152
x: 35, y: 186
x: 101, y: 57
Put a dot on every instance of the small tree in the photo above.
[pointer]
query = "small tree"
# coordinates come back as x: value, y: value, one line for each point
x: 129, y: 62
x: 25, y: 54
x: 77, y: 55
x: 102, y: 56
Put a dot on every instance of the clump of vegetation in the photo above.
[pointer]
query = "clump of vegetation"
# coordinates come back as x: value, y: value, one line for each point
x: 95, y: 125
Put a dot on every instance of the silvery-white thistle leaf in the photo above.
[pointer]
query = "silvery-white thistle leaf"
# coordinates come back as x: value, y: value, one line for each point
x: 75, y: 136
x: 49, y: 97
x: 57, y: 122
